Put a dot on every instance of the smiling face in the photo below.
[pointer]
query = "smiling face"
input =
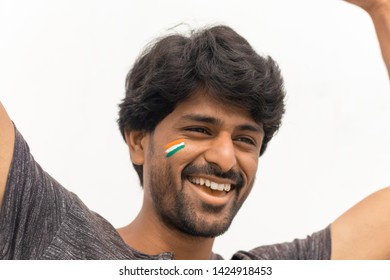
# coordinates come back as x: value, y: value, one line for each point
x: 199, y: 189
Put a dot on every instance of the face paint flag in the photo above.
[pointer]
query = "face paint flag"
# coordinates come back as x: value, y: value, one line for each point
x: 172, y: 147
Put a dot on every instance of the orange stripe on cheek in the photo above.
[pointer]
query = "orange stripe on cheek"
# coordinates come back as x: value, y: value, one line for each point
x: 170, y: 144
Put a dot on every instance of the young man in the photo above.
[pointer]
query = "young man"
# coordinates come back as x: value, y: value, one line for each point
x: 198, y: 113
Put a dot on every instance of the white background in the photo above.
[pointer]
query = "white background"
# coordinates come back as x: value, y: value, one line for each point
x: 62, y: 71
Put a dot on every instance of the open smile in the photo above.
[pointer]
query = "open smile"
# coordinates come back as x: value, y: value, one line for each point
x: 210, y: 184
x: 211, y: 190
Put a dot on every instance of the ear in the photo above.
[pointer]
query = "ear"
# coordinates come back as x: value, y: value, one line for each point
x: 136, y: 141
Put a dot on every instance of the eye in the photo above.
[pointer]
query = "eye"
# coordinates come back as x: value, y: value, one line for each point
x: 246, y: 140
x: 198, y: 130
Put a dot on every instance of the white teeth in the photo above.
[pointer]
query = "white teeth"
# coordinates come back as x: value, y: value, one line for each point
x: 214, y: 186
x: 210, y: 184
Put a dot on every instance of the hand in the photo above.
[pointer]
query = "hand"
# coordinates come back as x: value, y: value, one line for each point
x: 370, y: 5
x: 379, y: 11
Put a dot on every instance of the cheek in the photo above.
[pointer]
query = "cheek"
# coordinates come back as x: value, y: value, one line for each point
x: 186, y: 155
x: 249, y: 164
x: 173, y: 164
x: 249, y: 168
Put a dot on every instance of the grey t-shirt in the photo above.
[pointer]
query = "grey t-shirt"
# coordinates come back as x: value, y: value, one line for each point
x: 40, y: 219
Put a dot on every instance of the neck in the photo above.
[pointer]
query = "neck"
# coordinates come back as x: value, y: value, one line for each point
x: 149, y: 235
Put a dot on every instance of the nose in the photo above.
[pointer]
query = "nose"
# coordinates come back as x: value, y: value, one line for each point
x: 221, y: 152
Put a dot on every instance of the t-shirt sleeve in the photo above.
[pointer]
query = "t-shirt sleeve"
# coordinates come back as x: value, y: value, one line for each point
x: 32, y: 208
x: 314, y: 247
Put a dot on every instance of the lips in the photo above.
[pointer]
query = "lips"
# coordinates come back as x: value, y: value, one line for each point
x: 211, y: 180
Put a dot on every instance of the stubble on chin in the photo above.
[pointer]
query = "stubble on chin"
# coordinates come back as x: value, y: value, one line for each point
x: 177, y: 211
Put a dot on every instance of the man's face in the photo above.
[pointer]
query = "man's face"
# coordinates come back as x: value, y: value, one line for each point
x: 199, y: 189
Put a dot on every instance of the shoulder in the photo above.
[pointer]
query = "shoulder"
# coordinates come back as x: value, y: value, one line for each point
x: 7, y: 140
x: 314, y: 247
x: 85, y: 234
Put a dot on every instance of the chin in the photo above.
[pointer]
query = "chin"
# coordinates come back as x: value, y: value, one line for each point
x: 203, y: 227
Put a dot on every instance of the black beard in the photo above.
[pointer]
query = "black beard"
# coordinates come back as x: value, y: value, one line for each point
x: 176, y: 210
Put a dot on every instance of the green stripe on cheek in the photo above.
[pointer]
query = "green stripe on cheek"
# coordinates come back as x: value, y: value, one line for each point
x: 171, y: 153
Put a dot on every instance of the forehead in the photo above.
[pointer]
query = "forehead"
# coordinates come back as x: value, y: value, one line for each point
x: 204, y: 104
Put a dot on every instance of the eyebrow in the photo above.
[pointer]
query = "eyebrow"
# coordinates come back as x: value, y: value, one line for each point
x: 218, y: 122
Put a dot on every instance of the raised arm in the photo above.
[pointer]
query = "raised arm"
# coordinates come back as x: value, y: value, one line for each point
x: 379, y: 11
x: 7, y: 139
x: 363, y: 232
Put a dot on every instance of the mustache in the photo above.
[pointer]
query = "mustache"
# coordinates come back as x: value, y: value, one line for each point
x: 214, y: 170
